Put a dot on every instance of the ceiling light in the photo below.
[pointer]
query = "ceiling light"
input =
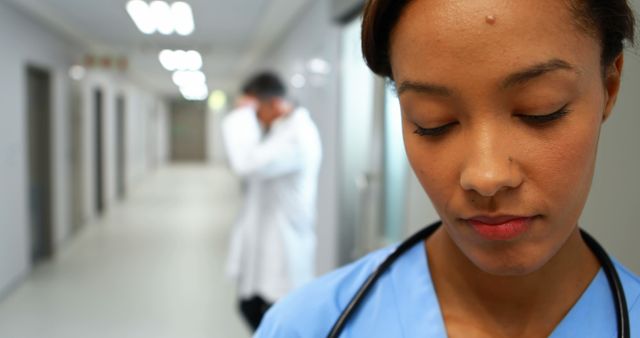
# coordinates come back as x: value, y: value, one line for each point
x: 167, y: 59
x: 183, y: 78
x: 140, y: 13
x: 195, y: 92
x: 179, y: 57
x: 161, y: 14
x: 298, y: 81
x: 161, y: 17
x: 180, y: 60
x: 192, y: 60
x: 319, y: 66
x: 182, y: 18
x: 77, y: 72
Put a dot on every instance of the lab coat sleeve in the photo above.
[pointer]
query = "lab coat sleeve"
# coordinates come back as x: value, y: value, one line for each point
x: 277, y: 155
x: 240, y: 133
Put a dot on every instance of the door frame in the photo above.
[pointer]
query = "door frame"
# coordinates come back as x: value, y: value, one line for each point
x: 121, y: 146
x: 45, y: 249
x: 98, y: 100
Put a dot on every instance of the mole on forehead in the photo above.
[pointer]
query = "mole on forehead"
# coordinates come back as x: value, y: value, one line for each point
x: 490, y: 19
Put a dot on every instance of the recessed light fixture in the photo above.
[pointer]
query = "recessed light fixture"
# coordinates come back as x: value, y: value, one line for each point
x: 77, y: 72
x: 159, y: 16
x: 196, y: 92
x: 173, y: 60
x: 298, y: 81
x: 182, y: 18
x: 319, y: 66
x: 140, y: 13
x: 184, y: 78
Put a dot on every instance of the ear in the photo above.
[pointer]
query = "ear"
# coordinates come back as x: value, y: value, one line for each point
x: 613, y: 76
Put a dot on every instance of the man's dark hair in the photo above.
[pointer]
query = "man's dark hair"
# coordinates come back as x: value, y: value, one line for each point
x: 611, y: 20
x: 264, y: 86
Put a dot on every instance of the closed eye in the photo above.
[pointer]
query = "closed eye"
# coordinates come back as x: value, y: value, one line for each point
x: 437, y: 131
x: 531, y: 119
x: 544, y: 119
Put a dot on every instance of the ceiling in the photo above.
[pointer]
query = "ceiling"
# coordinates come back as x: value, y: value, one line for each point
x: 231, y: 35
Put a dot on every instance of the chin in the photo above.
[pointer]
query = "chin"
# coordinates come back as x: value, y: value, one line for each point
x: 507, y: 264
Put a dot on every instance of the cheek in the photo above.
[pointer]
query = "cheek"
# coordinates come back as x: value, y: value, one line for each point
x: 433, y: 164
x: 564, y: 169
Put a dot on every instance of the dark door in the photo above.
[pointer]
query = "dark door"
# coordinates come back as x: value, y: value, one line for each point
x: 99, y: 159
x: 76, y: 174
x: 188, y: 131
x: 121, y: 144
x: 39, y: 143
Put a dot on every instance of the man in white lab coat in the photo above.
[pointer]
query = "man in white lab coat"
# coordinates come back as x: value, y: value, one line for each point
x: 275, y: 148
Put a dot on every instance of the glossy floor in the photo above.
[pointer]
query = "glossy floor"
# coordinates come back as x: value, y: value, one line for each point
x: 153, y: 267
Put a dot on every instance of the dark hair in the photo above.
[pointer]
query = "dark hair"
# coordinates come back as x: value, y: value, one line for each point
x: 264, y: 86
x: 611, y: 20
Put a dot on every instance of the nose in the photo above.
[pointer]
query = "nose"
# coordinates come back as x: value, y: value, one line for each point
x: 490, y: 166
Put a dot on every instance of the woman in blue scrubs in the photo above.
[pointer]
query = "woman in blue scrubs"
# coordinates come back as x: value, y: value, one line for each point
x: 502, y: 105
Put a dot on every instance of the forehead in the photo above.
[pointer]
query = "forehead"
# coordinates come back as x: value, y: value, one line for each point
x: 454, y: 38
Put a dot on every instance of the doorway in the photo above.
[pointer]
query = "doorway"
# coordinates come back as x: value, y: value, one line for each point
x: 76, y: 174
x: 99, y: 158
x: 39, y: 147
x: 121, y: 146
x: 188, y: 131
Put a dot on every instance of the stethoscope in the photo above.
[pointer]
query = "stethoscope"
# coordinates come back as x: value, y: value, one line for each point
x: 622, y: 315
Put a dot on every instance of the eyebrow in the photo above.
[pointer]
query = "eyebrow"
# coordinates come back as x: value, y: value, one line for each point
x: 530, y: 73
x: 424, y: 88
x: 517, y: 78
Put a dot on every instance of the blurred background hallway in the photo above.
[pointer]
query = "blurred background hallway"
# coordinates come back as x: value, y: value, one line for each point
x: 152, y: 267
x: 116, y: 201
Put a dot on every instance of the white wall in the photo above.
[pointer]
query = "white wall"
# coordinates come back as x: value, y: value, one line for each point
x: 157, y: 117
x: 611, y: 214
x: 28, y: 43
x: 216, y: 153
x: 341, y: 8
x: 315, y: 35
x: 139, y: 107
x: 146, y: 134
x: 103, y: 81
x: 161, y: 132
x: 356, y: 122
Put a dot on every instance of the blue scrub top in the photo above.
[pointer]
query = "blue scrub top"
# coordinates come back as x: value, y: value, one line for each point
x: 403, y: 303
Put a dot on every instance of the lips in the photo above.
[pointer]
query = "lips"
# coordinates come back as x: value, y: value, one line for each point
x: 500, y: 228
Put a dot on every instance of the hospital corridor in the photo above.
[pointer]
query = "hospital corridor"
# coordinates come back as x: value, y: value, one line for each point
x: 154, y: 267
x: 198, y: 168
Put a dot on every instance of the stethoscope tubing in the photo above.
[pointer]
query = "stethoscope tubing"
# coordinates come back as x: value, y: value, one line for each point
x: 620, y: 303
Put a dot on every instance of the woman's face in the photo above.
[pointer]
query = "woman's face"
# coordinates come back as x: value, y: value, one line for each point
x: 502, y: 105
